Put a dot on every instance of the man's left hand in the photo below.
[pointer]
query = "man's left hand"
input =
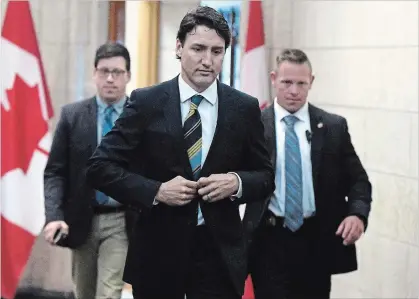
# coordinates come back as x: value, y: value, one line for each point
x: 218, y: 186
x: 351, y: 229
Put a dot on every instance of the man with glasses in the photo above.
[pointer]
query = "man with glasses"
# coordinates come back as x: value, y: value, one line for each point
x: 307, y: 229
x: 92, y: 224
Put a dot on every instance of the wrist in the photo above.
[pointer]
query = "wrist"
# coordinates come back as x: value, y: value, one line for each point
x: 235, y: 181
x: 159, y: 192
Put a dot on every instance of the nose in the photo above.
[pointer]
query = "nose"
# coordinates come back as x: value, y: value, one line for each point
x: 109, y: 78
x: 294, y: 88
x: 207, y: 58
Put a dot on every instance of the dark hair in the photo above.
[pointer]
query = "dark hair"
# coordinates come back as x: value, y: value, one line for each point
x: 207, y: 16
x: 293, y: 55
x: 110, y: 50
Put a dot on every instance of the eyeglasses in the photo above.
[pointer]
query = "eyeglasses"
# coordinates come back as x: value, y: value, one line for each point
x: 104, y: 73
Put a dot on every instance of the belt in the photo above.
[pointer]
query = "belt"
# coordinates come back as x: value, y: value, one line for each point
x: 270, y: 219
x: 108, y: 209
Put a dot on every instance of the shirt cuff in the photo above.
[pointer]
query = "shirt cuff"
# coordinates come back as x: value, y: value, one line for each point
x: 155, y: 202
x: 240, y: 190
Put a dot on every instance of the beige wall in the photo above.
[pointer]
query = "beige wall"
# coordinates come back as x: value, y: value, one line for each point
x: 365, y: 58
x: 171, y: 13
x: 68, y: 33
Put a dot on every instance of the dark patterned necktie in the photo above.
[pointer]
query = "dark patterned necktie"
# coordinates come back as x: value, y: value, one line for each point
x: 192, y: 130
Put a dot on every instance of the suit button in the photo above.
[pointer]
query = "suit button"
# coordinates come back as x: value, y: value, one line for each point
x: 272, y: 221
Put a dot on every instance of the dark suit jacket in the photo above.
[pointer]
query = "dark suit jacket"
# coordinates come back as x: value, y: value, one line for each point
x: 67, y: 196
x: 150, y: 130
x: 341, y: 185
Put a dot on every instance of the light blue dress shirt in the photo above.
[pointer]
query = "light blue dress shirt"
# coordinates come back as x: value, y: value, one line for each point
x: 277, y: 203
x: 101, y: 106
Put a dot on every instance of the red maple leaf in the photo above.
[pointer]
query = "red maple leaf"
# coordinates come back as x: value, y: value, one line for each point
x: 22, y: 127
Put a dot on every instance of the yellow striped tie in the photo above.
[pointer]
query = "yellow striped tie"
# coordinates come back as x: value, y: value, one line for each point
x: 192, y: 129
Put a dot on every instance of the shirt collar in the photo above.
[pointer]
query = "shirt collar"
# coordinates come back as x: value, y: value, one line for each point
x: 302, y: 114
x: 186, y: 92
x: 118, y: 106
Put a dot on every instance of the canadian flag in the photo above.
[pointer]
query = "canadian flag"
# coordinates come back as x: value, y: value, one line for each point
x: 254, y: 79
x: 25, y: 142
x: 254, y: 73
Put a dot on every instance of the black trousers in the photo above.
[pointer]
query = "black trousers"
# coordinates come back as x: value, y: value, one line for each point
x: 285, y: 264
x: 208, y: 276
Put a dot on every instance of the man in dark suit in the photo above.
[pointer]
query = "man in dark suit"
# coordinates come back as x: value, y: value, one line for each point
x: 93, y: 225
x: 203, y: 153
x: 305, y: 231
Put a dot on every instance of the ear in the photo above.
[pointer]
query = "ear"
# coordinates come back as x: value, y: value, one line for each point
x: 311, y: 81
x: 272, y: 75
x: 179, y: 48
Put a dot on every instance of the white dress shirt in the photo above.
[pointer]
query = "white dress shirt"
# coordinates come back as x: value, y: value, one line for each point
x: 208, y: 110
x: 277, y: 203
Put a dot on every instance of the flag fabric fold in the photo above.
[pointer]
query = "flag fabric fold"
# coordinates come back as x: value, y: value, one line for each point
x: 254, y: 73
x: 25, y: 142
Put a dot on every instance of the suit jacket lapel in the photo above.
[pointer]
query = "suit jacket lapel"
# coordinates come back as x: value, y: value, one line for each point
x: 270, y: 133
x: 91, y: 124
x: 270, y: 136
x: 317, y: 137
x: 173, y: 116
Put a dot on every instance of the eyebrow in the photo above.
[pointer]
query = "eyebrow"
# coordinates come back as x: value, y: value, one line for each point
x: 205, y: 46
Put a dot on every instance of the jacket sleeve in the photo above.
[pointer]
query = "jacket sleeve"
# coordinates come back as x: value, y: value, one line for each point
x: 258, y: 179
x: 108, y: 170
x: 56, y: 171
x: 359, y: 190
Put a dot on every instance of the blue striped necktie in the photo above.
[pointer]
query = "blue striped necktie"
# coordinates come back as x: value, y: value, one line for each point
x: 294, y: 217
x: 107, y: 125
x: 107, y: 120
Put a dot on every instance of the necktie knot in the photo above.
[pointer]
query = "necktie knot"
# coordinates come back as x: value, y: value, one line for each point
x: 195, y: 101
x: 109, y: 110
x: 290, y: 120
x: 107, y: 120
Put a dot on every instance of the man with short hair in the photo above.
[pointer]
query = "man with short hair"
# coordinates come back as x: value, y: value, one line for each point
x: 203, y: 152
x: 305, y: 231
x: 92, y: 224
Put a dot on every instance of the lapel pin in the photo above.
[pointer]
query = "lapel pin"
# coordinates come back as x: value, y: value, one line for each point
x: 320, y: 125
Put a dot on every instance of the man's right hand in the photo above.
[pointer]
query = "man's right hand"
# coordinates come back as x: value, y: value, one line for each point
x: 177, y: 192
x: 52, y: 227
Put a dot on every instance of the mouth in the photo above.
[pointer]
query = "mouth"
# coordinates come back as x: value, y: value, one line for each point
x: 109, y: 87
x: 205, y: 72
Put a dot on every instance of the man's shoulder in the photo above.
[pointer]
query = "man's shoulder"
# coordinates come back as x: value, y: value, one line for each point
x: 245, y: 98
x: 156, y: 88
x: 327, y: 117
x: 268, y: 112
x: 79, y: 105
